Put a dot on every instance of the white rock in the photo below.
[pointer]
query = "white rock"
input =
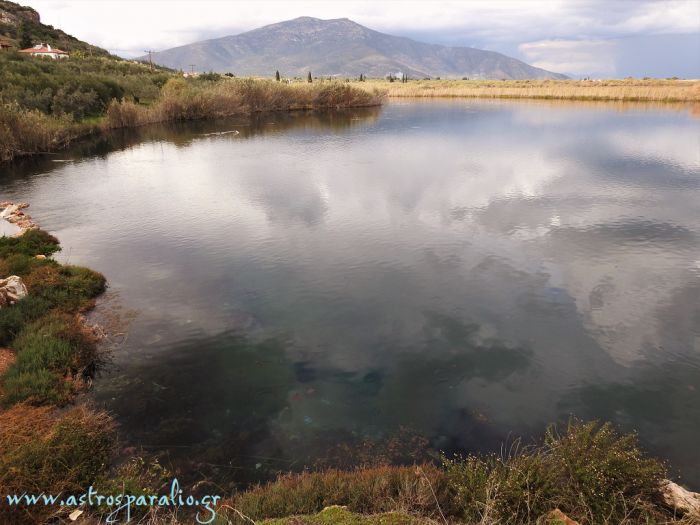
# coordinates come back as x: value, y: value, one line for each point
x: 12, y: 290
x: 679, y: 499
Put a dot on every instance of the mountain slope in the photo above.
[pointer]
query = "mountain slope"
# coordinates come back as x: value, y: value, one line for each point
x: 18, y: 20
x: 340, y: 47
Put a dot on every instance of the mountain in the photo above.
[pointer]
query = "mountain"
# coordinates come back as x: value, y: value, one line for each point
x: 18, y: 23
x: 344, y: 48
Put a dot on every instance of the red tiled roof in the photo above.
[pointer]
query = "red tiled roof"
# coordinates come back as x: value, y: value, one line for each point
x: 43, y: 50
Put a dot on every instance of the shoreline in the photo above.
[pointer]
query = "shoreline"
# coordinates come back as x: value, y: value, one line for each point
x: 633, y: 91
x: 427, y: 491
x: 38, y: 133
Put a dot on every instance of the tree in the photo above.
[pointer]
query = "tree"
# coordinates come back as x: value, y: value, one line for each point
x: 362, y: 78
x: 309, y: 79
x: 23, y: 36
x: 277, y: 76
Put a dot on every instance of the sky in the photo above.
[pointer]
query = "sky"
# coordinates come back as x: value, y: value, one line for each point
x: 596, y: 38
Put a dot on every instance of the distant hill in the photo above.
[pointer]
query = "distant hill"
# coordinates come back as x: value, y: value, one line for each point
x: 344, y: 48
x: 17, y: 20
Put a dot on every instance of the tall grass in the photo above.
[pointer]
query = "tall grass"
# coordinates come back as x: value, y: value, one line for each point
x: 29, y: 131
x: 622, y: 90
x: 183, y: 100
x: 421, y: 490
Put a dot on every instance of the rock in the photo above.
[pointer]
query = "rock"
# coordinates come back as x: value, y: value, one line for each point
x: 557, y: 517
x: 680, y: 500
x: 12, y: 290
x: 9, y: 211
x: 12, y: 213
x: 40, y: 256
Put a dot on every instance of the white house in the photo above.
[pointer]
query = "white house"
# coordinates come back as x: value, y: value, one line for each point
x: 45, y: 50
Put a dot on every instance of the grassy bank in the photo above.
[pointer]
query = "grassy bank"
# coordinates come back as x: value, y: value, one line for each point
x: 50, y: 353
x: 605, y: 90
x: 46, y: 104
x: 589, y: 471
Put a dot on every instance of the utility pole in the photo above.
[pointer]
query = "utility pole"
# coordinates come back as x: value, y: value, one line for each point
x: 192, y: 69
x: 150, y: 57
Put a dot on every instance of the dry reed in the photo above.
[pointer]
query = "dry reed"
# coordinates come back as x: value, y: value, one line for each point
x: 619, y: 90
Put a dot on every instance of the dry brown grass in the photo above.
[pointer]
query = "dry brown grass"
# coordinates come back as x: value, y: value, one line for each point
x: 622, y: 90
x: 183, y: 100
x: 421, y: 490
x: 50, y: 451
x: 25, y: 132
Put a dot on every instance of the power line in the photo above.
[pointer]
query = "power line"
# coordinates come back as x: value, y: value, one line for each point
x: 150, y: 57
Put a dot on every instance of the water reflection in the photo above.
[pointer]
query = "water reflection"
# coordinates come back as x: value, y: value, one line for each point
x: 467, y: 269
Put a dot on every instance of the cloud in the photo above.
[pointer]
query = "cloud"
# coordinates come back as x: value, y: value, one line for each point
x: 578, y: 57
x: 127, y: 27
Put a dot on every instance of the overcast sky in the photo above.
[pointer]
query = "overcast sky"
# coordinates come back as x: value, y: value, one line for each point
x: 601, y: 38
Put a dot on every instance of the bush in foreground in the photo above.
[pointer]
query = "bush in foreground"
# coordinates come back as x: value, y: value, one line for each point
x: 590, y: 472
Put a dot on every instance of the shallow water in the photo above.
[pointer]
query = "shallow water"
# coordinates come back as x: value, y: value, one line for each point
x: 460, y: 270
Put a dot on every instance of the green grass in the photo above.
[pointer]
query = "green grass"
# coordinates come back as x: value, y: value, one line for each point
x: 32, y: 243
x: 51, y: 346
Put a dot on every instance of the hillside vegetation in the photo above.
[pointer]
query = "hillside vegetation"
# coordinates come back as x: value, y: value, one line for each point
x: 45, y: 104
x: 21, y: 26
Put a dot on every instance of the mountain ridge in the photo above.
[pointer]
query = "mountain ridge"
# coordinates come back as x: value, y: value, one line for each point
x: 341, y: 47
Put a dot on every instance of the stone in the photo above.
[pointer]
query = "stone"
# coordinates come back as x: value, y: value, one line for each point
x: 680, y: 500
x: 12, y: 213
x: 9, y: 211
x: 40, y: 256
x: 12, y: 290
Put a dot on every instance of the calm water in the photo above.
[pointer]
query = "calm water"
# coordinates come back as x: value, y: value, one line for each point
x: 464, y: 271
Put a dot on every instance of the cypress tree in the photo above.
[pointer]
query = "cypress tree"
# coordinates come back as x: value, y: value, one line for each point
x: 309, y: 79
x: 277, y: 76
x: 25, y: 39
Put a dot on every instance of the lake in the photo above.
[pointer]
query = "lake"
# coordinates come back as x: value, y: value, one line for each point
x: 312, y: 289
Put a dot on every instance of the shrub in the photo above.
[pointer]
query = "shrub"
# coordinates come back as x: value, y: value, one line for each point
x: 590, y: 472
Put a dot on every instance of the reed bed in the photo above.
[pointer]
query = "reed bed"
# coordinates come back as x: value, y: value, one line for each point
x: 182, y: 100
x: 604, y: 90
x: 29, y: 131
